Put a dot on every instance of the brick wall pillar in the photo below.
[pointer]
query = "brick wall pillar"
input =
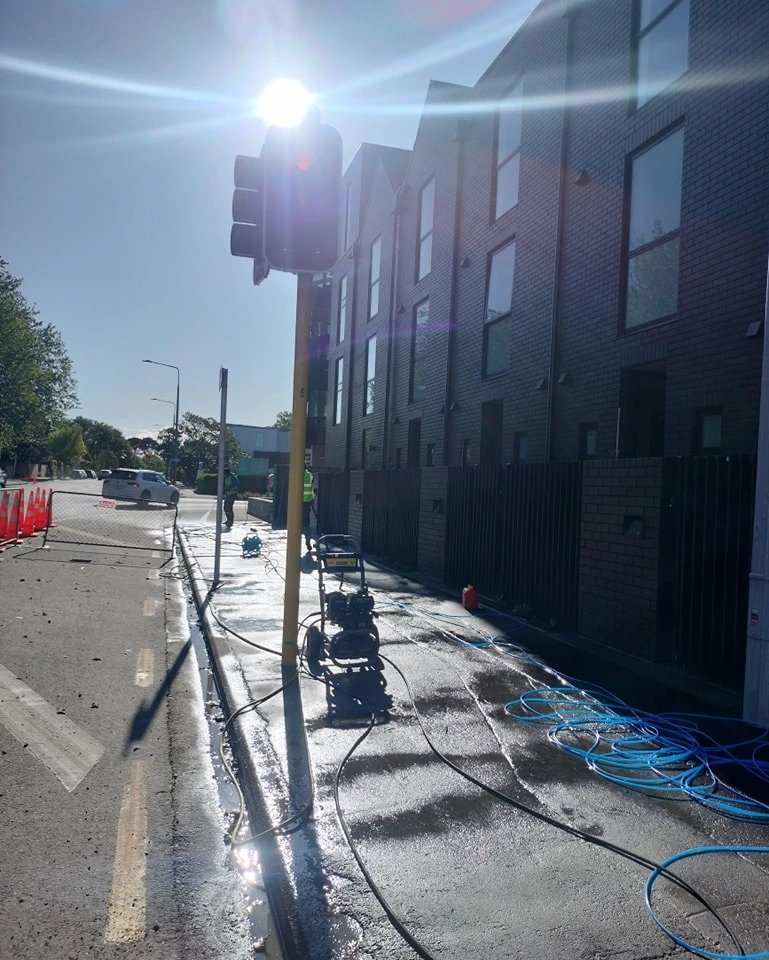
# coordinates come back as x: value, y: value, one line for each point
x: 432, y: 521
x: 619, y: 553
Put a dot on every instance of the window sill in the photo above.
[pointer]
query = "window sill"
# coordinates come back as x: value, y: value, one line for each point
x: 651, y: 325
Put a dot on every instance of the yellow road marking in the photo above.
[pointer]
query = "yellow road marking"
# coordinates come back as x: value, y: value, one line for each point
x: 149, y: 607
x: 128, y: 898
x: 145, y: 668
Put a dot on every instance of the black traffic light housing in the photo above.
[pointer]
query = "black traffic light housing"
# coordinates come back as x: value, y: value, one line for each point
x: 302, y: 182
x: 247, y: 233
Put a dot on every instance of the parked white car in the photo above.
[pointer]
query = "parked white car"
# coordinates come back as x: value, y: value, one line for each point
x: 78, y: 475
x: 145, y: 486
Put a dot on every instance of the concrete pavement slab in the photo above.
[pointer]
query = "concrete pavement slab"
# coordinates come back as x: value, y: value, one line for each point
x: 464, y: 873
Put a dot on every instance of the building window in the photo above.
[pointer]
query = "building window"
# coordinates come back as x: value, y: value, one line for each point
x: 426, y: 212
x: 499, y: 301
x: 342, y: 318
x: 259, y: 441
x: 339, y: 385
x: 414, y: 443
x: 368, y: 387
x: 662, y: 50
x: 707, y: 430
x: 508, y: 152
x: 588, y: 441
x: 466, y: 454
x: 430, y: 454
x: 419, y: 350
x: 654, y: 232
x: 521, y: 446
x: 376, y: 262
x: 348, y: 218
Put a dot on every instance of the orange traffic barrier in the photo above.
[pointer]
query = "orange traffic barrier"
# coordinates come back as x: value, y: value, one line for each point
x: 42, y: 509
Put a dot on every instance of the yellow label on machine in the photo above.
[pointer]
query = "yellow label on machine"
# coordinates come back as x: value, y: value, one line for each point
x: 341, y: 562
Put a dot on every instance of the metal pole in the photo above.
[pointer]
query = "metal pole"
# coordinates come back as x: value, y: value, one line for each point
x: 220, y: 478
x: 756, y: 691
x: 176, y: 430
x: 296, y: 469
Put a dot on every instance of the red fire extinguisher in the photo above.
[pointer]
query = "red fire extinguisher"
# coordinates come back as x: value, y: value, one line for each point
x: 470, y: 598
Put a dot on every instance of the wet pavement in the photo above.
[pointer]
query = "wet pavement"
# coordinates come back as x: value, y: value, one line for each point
x: 392, y: 848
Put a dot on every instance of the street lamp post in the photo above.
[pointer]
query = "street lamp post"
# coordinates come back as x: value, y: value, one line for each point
x: 176, y: 416
x: 171, y: 366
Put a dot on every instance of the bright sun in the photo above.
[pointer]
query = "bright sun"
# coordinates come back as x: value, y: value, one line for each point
x: 283, y: 103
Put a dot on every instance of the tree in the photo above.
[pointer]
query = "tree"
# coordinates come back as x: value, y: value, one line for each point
x: 67, y: 444
x: 105, y: 443
x: 36, y: 382
x: 198, y: 443
x: 283, y: 420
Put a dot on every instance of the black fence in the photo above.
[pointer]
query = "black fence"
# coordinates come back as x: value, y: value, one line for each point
x: 705, y: 552
x: 333, y: 503
x: 513, y: 533
x: 391, y: 515
x: 280, y: 497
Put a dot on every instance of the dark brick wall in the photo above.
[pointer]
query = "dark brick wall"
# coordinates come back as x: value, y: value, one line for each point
x: 536, y: 55
x: 377, y: 223
x: 434, y: 155
x: 724, y: 230
x: 432, y: 520
x: 618, y: 572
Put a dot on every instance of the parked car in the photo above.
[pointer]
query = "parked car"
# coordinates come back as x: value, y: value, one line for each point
x: 103, y: 474
x: 91, y: 474
x: 3, y: 478
x: 78, y: 475
x: 145, y: 486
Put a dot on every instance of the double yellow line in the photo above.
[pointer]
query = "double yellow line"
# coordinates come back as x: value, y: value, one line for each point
x: 127, y: 915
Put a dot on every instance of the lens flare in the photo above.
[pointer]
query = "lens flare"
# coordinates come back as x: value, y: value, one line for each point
x: 284, y: 103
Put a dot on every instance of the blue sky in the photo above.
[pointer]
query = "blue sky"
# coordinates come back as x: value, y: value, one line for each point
x: 120, y: 122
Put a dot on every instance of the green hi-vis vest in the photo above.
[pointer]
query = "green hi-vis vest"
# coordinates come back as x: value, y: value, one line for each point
x: 230, y: 486
x: 309, y: 494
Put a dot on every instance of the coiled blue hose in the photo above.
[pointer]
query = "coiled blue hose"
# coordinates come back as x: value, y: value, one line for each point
x: 683, y: 855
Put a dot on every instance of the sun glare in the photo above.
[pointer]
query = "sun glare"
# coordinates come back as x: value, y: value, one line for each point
x: 283, y: 103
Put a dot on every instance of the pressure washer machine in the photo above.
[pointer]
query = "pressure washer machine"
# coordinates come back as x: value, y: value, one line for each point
x: 348, y: 656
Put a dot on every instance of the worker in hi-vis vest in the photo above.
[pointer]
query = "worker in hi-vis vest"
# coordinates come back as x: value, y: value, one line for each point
x: 231, y: 488
x: 308, y: 497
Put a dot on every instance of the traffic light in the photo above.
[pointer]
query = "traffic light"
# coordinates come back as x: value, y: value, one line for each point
x: 302, y: 180
x: 246, y: 235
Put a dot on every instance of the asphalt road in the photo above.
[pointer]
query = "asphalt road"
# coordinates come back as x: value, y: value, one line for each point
x: 110, y: 829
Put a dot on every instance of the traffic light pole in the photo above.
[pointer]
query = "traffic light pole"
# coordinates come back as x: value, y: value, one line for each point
x: 296, y: 470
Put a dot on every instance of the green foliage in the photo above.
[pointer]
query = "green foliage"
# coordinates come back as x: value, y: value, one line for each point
x: 151, y: 461
x: 66, y: 443
x: 36, y: 382
x: 283, y: 420
x: 198, y: 443
x: 107, y: 447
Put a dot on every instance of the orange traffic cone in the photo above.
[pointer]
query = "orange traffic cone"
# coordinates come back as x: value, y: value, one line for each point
x: 5, y: 520
x: 28, y: 520
x: 17, y: 508
x: 37, y: 511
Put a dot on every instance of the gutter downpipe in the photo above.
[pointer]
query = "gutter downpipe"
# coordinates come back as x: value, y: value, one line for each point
x: 756, y: 688
x: 463, y: 129
x: 391, y: 329
x: 351, y: 254
x: 559, y: 230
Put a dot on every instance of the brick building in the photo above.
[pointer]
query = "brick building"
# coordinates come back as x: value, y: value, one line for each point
x: 569, y: 265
